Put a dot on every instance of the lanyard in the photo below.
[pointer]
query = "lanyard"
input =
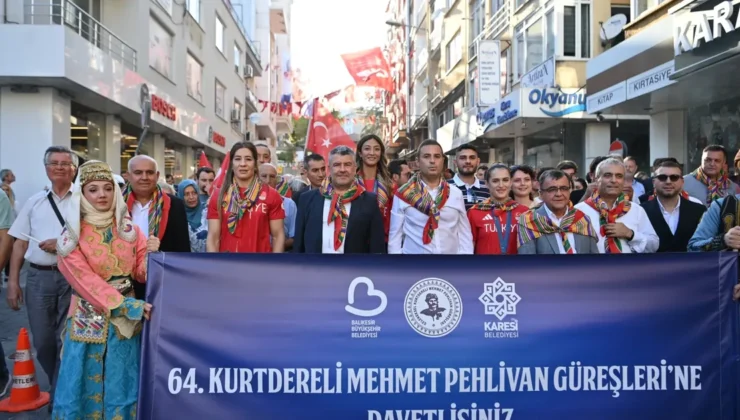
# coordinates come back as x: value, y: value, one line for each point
x: 503, y: 242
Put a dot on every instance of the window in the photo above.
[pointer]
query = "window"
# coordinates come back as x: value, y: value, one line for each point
x: 160, y: 48
x: 641, y: 6
x: 472, y: 94
x: 533, y: 36
x: 453, y: 52
x: 577, y: 30
x: 193, y: 7
x: 236, y: 121
x: 550, y: 39
x: 535, y: 42
x: 237, y: 59
x: 220, y: 94
x: 477, y: 18
x: 520, y: 3
x: 194, y: 78
x: 219, y: 35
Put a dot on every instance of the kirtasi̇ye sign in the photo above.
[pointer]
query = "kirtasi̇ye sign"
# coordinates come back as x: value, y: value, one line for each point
x: 555, y: 103
x: 704, y: 26
x: 317, y: 337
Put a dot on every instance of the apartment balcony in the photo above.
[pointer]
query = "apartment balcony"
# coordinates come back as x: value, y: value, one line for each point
x: 84, y: 25
x: 435, y: 38
x: 266, y: 125
x: 251, y: 102
x: 420, y: 63
x: 278, y: 24
x: 284, y: 124
x: 498, y: 25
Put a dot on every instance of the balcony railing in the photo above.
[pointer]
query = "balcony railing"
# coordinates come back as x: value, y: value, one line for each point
x: 252, y: 100
x: 435, y: 38
x: 68, y: 14
x: 253, y: 46
x: 498, y: 24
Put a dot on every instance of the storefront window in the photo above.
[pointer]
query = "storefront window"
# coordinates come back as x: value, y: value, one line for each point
x: 86, y: 137
x: 716, y: 123
x: 505, y: 152
x: 636, y: 135
x: 545, y: 148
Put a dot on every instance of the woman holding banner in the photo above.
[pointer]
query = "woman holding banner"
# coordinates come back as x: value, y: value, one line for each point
x: 100, y: 253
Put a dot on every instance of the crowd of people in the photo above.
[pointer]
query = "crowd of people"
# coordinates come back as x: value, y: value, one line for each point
x: 86, y: 244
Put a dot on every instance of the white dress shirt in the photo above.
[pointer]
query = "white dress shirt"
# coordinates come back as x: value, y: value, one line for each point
x: 327, y: 230
x: 38, y: 220
x: 645, y: 239
x: 558, y: 238
x: 671, y: 218
x: 638, y: 190
x: 452, y: 236
x: 140, y: 216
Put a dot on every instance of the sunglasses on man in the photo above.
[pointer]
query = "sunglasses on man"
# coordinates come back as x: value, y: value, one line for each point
x: 664, y: 178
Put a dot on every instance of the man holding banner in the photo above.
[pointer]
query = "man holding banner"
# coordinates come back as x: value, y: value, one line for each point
x: 340, y: 217
x: 428, y: 216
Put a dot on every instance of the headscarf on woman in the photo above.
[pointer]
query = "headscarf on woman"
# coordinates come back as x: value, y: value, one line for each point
x: 194, y: 213
x: 81, y: 209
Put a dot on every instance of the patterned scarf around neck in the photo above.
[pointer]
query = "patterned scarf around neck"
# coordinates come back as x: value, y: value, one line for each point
x: 338, y: 214
x: 380, y: 190
x: 607, y: 216
x: 489, y: 204
x: 159, y: 210
x: 416, y: 195
x: 715, y: 188
x: 236, y: 204
x: 533, y: 226
x: 283, y: 188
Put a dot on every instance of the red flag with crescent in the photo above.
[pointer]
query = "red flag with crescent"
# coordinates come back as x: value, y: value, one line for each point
x: 326, y: 133
x: 369, y: 68
x: 203, y: 161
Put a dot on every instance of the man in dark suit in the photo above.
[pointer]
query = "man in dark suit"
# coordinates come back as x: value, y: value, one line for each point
x: 673, y: 217
x: 340, y: 217
x: 167, y: 229
x: 315, y: 168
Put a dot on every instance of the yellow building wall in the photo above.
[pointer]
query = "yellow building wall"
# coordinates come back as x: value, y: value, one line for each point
x: 455, y: 21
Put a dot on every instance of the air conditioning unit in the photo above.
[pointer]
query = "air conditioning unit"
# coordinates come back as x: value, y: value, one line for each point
x: 235, y: 117
x: 248, y: 71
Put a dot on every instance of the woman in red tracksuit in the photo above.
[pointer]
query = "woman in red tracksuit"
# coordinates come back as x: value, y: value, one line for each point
x: 494, y: 221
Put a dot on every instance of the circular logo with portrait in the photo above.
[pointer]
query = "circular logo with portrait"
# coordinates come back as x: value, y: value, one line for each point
x: 433, y: 307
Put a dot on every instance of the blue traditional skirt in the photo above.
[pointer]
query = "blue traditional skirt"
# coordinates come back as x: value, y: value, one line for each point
x: 98, y: 381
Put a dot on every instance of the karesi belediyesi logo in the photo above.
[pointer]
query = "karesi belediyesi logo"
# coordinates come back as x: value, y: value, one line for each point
x: 500, y: 300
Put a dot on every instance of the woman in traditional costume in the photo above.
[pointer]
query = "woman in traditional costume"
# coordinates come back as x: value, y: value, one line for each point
x: 374, y: 176
x: 100, y: 253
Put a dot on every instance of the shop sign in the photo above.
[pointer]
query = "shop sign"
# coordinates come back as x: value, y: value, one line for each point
x: 692, y: 29
x: 540, y: 76
x: 608, y: 97
x: 489, y: 72
x: 504, y: 111
x: 555, y: 103
x: 164, y: 108
x: 219, y: 139
x: 651, y: 80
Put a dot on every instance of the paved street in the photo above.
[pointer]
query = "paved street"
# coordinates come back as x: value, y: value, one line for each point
x: 10, y: 323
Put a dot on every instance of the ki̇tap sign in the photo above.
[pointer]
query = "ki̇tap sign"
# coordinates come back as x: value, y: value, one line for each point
x: 693, y: 28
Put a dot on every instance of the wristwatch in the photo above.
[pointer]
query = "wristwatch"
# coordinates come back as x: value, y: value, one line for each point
x: 631, y: 236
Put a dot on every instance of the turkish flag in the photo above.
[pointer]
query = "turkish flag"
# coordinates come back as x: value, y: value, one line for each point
x: 326, y: 133
x: 203, y: 161
x: 219, y: 181
x: 369, y: 68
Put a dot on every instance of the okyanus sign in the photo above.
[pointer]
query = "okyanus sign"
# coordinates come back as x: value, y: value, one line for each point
x: 555, y: 103
x: 378, y: 337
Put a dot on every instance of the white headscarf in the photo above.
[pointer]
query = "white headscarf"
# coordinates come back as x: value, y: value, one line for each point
x: 81, y: 209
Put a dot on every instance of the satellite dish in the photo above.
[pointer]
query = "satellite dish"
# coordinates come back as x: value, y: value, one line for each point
x: 612, y: 27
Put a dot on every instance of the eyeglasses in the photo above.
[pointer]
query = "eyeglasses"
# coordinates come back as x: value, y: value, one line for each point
x: 553, y: 190
x: 664, y: 178
x: 60, y: 164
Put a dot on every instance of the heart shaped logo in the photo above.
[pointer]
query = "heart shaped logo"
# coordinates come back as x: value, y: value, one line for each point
x: 371, y: 291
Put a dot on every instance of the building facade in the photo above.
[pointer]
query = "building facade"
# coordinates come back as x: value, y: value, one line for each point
x: 509, y: 76
x: 83, y: 77
x: 676, y: 67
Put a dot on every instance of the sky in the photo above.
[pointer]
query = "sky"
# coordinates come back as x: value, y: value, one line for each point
x: 322, y: 30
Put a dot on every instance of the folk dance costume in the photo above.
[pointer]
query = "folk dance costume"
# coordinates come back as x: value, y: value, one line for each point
x: 283, y: 188
x: 644, y: 239
x: 429, y: 221
x: 723, y: 215
x: 494, y: 226
x: 100, y: 254
x: 541, y: 232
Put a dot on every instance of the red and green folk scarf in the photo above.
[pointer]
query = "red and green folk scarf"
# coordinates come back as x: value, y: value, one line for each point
x: 489, y: 204
x: 533, y: 226
x: 607, y: 216
x: 159, y: 210
x: 380, y: 190
x: 715, y: 188
x: 416, y: 195
x: 338, y: 214
x: 237, y: 204
x: 283, y: 188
